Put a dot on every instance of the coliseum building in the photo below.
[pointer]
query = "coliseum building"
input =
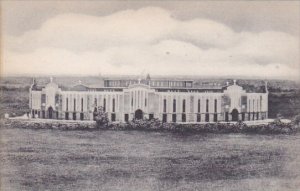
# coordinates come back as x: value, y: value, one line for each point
x: 168, y: 100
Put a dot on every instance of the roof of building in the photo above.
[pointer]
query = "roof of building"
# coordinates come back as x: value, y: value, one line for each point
x: 197, y: 85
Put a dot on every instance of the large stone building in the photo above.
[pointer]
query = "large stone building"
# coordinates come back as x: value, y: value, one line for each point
x: 168, y: 100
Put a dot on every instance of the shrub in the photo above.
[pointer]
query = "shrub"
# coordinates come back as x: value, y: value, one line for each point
x: 100, y: 116
x: 296, y: 120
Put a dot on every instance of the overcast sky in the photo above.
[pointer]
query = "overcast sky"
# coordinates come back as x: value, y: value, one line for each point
x: 205, y: 38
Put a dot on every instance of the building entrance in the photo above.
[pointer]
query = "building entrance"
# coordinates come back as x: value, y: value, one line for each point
x: 50, y: 112
x: 138, y: 114
x: 235, y: 115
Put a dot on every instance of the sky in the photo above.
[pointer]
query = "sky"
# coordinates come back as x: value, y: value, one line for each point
x: 203, y: 38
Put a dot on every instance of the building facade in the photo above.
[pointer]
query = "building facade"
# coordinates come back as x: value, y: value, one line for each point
x: 167, y: 100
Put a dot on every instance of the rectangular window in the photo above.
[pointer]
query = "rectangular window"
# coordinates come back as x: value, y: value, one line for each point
x: 126, y: 117
x: 67, y: 116
x: 113, y: 105
x: 198, y: 117
x: 81, y: 116
x: 183, y: 106
x: 243, y: 116
x: 174, y: 105
x: 198, y: 105
x: 164, y: 118
x: 216, y: 105
x: 57, y: 99
x: 174, y: 118
x: 43, y: 98
x: 249, y: 116
x: 113, y: 117
x: 95, y: 102
x: 226, y: 117
x: 74, y: 105
x: 207, y: 117
x: 207, y: 105
x: 165, y: 106
x: 74, y: 116
x: 81, y: 104
x: 215, y: 117
x: 67, y: 104
x: 151, y: 116
x: 260, y: 103
x: 183, y: 118
x: 104, y: 105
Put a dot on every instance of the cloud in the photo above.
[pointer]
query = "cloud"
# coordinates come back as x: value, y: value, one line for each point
x: 132, y: 41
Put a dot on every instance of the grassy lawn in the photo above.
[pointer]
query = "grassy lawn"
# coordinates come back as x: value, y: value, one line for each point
x: 135, y: 160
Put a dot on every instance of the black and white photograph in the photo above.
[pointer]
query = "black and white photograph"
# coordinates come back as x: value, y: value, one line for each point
x: 149, y: 95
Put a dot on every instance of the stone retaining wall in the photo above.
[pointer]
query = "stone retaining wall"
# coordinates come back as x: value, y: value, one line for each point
x: 154, y: 125
x: 48, y: 124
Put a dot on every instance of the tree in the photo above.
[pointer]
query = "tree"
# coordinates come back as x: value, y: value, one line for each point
x: 100, y: 116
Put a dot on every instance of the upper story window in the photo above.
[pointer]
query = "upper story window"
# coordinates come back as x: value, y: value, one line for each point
x: 74, y: 104
x: 207, y: 105
x: 216, y: 105
x: 174, y: 105
x: 183, y: 106
x: 260, y: 103
x: 113, y: 105
x: 81, y: 104
x: 165, y: 106
x: 95, y: 102
x: 104, y: 104
x: 67, y: 104
x: 199, y: 105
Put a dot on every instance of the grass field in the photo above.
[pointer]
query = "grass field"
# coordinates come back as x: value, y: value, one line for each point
x: 135, y: 160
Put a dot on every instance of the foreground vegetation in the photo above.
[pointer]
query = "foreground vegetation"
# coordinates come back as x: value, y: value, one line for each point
x: 102, y: 122
x: 276, y: 127
x: 156, y: 125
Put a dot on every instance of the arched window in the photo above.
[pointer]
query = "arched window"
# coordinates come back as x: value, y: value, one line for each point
x: 216, y: 105
x: 199, y: 105
x: 165, y: 106
x: 74, y: 104
x: 174, y: 105
x: 81, y: 104
x: 113, y: 105
x: 67, y: 104
x: 207, y: 105
x: 104, y: 104
x: 183, y: 106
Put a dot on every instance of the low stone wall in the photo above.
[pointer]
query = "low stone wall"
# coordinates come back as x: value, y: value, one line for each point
x: 155, y: 125
x: 48, y: 124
